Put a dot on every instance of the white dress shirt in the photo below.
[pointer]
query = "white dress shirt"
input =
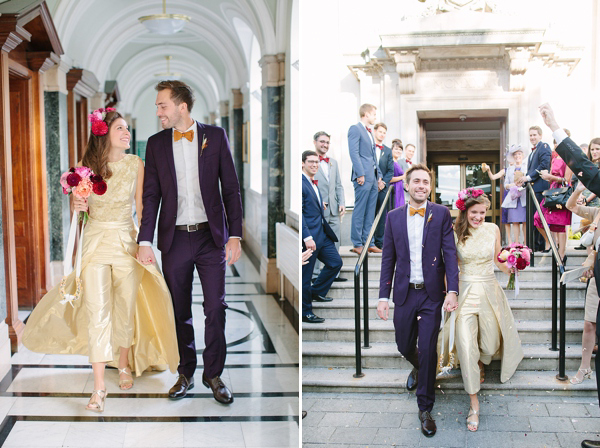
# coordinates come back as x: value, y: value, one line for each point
x: 414, y: 226
x: 316, y: 190
x: 370, y: 134
x: 325, y: 167
x: 559, y: 135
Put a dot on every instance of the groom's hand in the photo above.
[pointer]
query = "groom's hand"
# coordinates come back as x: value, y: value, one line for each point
x: 233, y: 250
x: 383, y: 309
x: 451, y: 302
x: 145, y: 255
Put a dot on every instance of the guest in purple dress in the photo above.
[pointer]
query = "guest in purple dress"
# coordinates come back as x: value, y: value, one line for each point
x: 400, y: 168
x: 515, y: 200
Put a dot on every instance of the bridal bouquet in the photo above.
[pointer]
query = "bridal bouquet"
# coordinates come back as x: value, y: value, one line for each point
x: 515, y: 256
x: 82, y: 182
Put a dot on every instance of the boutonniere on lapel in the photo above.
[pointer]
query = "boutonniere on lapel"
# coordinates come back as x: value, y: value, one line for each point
x: 204, y: 145
x: 430, y: 217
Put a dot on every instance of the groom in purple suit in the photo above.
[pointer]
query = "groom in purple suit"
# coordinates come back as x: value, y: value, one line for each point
x: 190, y: 175
x: 419, y: 244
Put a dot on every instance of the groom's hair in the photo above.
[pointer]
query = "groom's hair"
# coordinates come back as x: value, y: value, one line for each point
x: 180, y: 92
x: 417, y: 167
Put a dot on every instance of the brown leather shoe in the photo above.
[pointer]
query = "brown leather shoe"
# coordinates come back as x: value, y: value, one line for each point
x: 357, y: 250
x: 221, y: 393
x: 375, y: 250
x: 428, y: 427
x: 179, y: 390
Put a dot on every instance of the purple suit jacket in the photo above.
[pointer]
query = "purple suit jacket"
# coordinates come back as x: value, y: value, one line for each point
x: 215, y: 165
x: 439, y: 254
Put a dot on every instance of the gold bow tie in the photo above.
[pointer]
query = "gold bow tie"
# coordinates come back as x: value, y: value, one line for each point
x: 417, y: 211
x: 189, y: 135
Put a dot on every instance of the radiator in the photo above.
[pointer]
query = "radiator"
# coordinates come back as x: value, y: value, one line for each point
x: 287, y: 242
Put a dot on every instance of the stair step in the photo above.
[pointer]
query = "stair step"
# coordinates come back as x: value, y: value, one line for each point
x: 342, y: 330
x: 534, y: 309
x: 523, y: 382
x: 386, y: 355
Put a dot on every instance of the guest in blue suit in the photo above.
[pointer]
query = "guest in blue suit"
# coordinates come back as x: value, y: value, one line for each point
x: 366, y: 176
x: 386, y: 166
x: 539, y: 159
x: 317, y: 236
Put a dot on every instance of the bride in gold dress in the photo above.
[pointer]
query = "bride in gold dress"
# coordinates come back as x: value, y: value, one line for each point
x: 125, y: 316
x: 485, y: 326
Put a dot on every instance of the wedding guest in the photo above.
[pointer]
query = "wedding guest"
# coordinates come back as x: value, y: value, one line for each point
x: 515, y: 201
x: 591, y: 297
x: 366, y: 176
x: 400, y: 169
x: 503, y: 211
x: 479, y: 333
x: 386, y: 166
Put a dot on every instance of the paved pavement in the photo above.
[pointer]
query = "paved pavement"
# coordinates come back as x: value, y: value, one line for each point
x: 373, y: 420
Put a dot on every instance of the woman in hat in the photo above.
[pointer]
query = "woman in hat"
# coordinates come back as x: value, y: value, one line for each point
x: 515, y: 199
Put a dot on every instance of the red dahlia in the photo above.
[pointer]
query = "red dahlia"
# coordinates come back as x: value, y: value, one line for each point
x: 521, y: 264
x: 73, y: 179
x: 99, y: 187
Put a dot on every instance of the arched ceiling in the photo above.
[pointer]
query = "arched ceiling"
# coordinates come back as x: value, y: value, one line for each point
x: 106, y: 38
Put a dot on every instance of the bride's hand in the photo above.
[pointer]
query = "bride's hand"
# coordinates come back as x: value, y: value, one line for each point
x: 145, y: 255
x: 80, y: 204
x: 451, y: 302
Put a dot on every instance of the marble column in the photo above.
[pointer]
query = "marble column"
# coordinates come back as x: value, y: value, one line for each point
x: 224, y: 113
x: 237, y: 141
x: 273, y: 94
x: 57, y: 162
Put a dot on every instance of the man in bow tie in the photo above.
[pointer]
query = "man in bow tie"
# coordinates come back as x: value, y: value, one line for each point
x: 331, y: 189
x: 539, y: 159
x: 386, y: 166
x: 419, y: 245
x: 190, y: 175
x: 317, y: 236
x: 366, y: 177
x: 409, y: 153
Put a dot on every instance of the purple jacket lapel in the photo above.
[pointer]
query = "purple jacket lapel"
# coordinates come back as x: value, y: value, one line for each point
x: 426, y: 225
x: 404, y: 228
x: 201, y: 133
x: 168, y: 145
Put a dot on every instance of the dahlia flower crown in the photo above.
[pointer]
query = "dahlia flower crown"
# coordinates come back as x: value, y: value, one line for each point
x: 465, y: 194
x: 99, y: 126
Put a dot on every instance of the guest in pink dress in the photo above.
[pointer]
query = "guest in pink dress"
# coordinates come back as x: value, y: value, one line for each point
x: 557, y: 219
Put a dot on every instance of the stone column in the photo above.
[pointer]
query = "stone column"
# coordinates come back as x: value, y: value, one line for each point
x: 237, y: 141
x: 273, y: 86
x: 224, y: 113
x: 406, y: 66
x: 57, y: 162
x: 213, y: 118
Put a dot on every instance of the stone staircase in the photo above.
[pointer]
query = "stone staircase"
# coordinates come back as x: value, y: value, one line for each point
x: 328, y: 360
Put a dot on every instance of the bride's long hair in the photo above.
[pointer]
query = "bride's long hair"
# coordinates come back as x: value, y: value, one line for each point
x: 461, y: 225
x: 96, y: 152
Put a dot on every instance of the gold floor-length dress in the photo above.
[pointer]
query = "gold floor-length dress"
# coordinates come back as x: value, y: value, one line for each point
x: 109, y: 315
x: 485, y: 326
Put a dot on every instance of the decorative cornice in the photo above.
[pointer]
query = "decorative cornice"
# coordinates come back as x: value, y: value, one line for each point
x: 41, y: 60
x: 464, y: 135
x: 11, y: 33
x: 82, y: 82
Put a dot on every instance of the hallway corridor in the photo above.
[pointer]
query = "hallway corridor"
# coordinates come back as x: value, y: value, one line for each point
x: 43, y: 397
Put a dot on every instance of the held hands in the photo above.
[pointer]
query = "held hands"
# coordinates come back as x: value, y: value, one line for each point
x: 451, y: 302
x: 80, y: 204
x: 233, y: 250
x: 145, y: 255
x: 383, y: 309
x: 360, y: 180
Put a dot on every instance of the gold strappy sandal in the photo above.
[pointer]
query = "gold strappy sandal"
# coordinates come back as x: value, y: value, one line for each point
x: 97, y: 406
x: 124, y: 383
x: 587, y: 374
x: 472, y: 412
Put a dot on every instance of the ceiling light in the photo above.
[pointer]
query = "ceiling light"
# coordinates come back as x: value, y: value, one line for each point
x: 168, y: 75
x: 164, y: 23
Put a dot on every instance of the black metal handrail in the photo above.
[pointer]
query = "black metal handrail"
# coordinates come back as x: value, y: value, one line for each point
x: 557, y: 266
x: 363, y: 262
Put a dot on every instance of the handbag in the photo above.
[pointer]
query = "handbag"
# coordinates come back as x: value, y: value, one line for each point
x: 446, y: 346
x: 66, y: 297
x: 556, y: 198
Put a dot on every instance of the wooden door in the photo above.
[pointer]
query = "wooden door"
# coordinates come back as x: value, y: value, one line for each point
x: 22, y: 172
